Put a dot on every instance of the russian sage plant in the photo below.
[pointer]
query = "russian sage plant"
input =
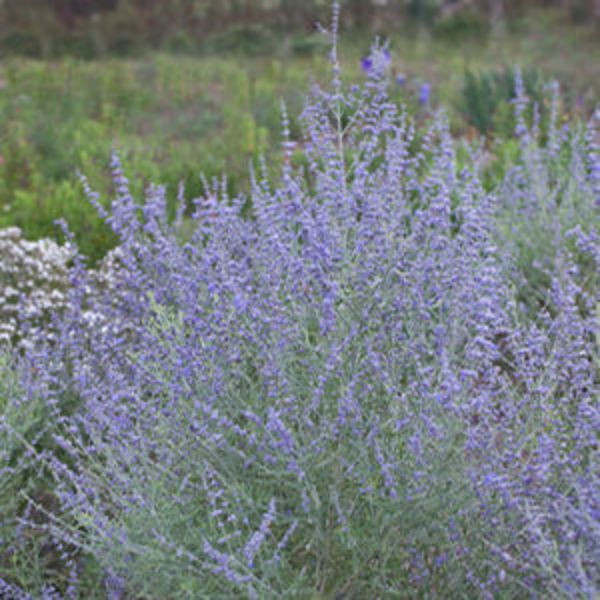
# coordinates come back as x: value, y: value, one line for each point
x: 339, y: 386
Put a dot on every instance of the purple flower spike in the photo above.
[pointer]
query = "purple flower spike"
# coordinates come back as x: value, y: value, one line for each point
x: 366, y: 64
x: 401, y: 79
x: 424, y: 94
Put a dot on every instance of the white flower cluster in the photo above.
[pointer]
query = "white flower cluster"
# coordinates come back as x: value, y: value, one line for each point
x: 34, y: 282
x: 105, y: 282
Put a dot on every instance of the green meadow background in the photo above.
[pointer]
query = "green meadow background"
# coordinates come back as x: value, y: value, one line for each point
x: 181, y: 88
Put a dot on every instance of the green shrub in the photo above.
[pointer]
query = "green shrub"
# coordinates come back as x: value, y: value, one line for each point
x: 247, y: 40
x: 461, y: 25
x: 21, y: 43
x: 486, y: 97
x: 307, y: 45
x: 424, y: 11
x: 36, y: 214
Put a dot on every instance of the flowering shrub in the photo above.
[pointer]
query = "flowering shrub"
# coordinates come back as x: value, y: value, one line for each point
x: 35, y: 283
x: 345, y: 392
x: 23, y: 428
x: 32, y: 277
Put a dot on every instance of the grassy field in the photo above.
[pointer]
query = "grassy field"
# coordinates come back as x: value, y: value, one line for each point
x: 174, y: 116
x: 170, y: 117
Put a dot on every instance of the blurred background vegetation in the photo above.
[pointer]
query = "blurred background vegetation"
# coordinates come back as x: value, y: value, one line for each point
x: 93, y: 28
x: 182, y: 87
